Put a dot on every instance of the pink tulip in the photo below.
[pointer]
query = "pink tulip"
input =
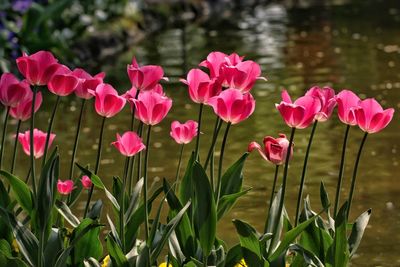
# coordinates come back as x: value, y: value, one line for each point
x: 201, y: 87
x: 86, y: 82
x: 347, y: 102
x: 39, y: 140
x: 86, y: 182
x: 23, y: 110
x: 371, y: 117
x: 37, y: 68
x: 107, y: 101
x: 63, y: 82
x: 151, y: 107
x: 275, y: 149
x: 233, y: 106
x: 131, y: 93
x: 65, y: 187
x: 144, y: 77
x: 129, y: 144
x: 216, y: 59
x: 328, y: 101
x: 301, y: 113
x: 183, y: 133
x: 12, y: 91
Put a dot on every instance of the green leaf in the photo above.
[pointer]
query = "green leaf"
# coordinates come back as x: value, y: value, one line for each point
x: 117, y: 256
x: 21, y: 191
x: 64, y: 210
x: 186, y: 185
x: 234, y: 256
x: 9, y: 260
x: 274, y: 218
x: 308, y: 257
x: 95, y: 211
x: 357, y: 231
x: 227, y: 201
x: 91, y: 262
x: 338, y: 254
x: 250, y: 243
x: 231, y: 181
x: 54, y: 244
x: 135, y: 199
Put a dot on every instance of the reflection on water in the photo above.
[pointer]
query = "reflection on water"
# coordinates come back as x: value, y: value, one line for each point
x: 339, y: 46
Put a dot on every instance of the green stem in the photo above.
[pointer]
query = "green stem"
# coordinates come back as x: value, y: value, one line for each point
x: 271, y: 197
x: 132, y: 162
x: 221, y: 158
x: 196, y: 153
x: 139, y: 166
x: 303, y: 174
x: 15, y: 147
x: 122, y: 210
x: 341, y: 171
x: 217, y: 128
x: 179, y: 166
x: 146, y: 160
x: 96, y: 169
x: 4, y: 135
x: 353, y: 181
x: 31, y: 145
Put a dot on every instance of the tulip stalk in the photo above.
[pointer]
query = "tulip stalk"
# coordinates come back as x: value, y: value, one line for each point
x: 122, y: 209
x: 4, y: 135
x: 271, y: 199
x: 146, y: 160
x: 217, y: 128
x: 15, y: 146
x: 139, y: 166
x: 303, y: 174
x: 353, y: 180
x: 132, y: 162
x: 221, y: 158
x: 31, y: 142
x: 49, y: 129
x: 341, y: 170
x: 179, y: 165
x: 198, y: 131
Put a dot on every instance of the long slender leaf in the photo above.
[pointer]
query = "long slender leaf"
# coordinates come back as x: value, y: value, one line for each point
x: 65, y: 211
x: 21, y: 191
x: 250, y: 243
x: 357, y: 231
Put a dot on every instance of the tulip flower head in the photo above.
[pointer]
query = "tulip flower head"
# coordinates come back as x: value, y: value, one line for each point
x: 144, y: 77
x: 328, y: 101
x: 215, y: 60
x: 86, y: 82
x: 151, y: 107
x: 347, y: 102
x: 39, y: 140
x: 183, y: 133
x: 274, y: 150
x: 65, y: 187
x: 371, y: 117
x: 24, y: 109
x: 107, y: 101
x: 12, y: 91
x: 86, y: 182
x: 129, y: 144
x: 63, y: 82
x: 301, y: 113
x: 232, y: 106
x: 38, y: 68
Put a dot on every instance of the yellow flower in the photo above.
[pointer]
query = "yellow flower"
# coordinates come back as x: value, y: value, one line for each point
x: 242, y: 263
x: 106, y: 261
x: 15, y: 246
x: 164, y: 264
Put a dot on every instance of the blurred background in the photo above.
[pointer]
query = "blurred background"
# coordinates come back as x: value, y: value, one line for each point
x: 298, y: 43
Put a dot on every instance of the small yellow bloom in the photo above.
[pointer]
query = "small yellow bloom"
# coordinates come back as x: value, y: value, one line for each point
x: 164, y: 264
x: 106, y: 261
x: 15, y: 246
x: 242, y: 263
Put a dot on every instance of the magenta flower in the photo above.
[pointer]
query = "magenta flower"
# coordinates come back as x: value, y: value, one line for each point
x: 183, y: 133
x: 12, y: 91
x: 301, y: 113
x: 328, y: 101
x: 371, y: 117
x: 347, y: 102
x: 201, y: 87
x: 107, y: 101
x: 65, y: 187
x: 63, y: 82
x: 39, y: 140
x: 151, y: 107
x: 23, y: 110
x: 86, y: 82
x: 144, y: 77
x: 129, y: 144
x: 37, y: 68
x: 233, y: 106
x: 217, y: 59
x: 86, y: 182
x: 274, y: 150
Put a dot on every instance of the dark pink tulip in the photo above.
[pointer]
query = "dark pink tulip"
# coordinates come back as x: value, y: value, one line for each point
x: 37, y: 68
x: 216, y: 59
x: 151, y: 107
x: 347, y: 102
x: 144, y: 77
x: 328, y: 101
x: 301, y: 113
x: 233, y: 106
x: 371, y: 117
x: 86, y: 182
x: 183, y: 133
x: 86, y: 82
x: 129, y: 144
x: 107, y: 101
x: 23, y: 110
x: 275, y: 149
x: 201, y: 87
x: 39, y: 140
x: 63, y: 82
x: 65, y: 187
x: 12, y: 91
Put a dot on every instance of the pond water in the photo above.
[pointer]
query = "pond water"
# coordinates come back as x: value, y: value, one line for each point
x: 343, y: 46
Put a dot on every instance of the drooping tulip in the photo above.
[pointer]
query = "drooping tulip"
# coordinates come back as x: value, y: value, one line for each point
x: 12, y: 91
x: 301, y: 113
x: 39, y: 139
x: 129, y: 144
x: 86, y: 82
x: 328, y: 101
x: 107, y: 101
x: 38, y: 68
x: 65, y: 187
x: 63, y: 82
x: 347, y: 102
x: 23, y: 110
x: 371, y: 117
x: 86, y: 182
x: 233, y: 106
x: 274, y: 150
x: 144, y: 77
x: 201, y: 87
x: 151, y: 107
x: 183, y: 133
x: 216, y: 59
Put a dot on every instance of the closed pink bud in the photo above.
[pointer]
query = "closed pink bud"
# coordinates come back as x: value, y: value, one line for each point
x: 37, y: 68
x: 65, y: 187
x: 371, y: 117
x: 24, y: 109
x: 86, y: 182
x: 183, y: 133
x: 107, y: 101
x: 151, y: 107
x: 63, y: 82
x: 275, y: 149
x: 233, y: 106
x: 201, y: 87
x: 301, y: 113
x: 215, y: 60
x: 12, y: 91
x: 253, y: 145
x: 328, y: 101
x: 144, y: 77
x: 347, y: 102
x: 39, y: 140
x: 129, y: 144
x: 86, y: 82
